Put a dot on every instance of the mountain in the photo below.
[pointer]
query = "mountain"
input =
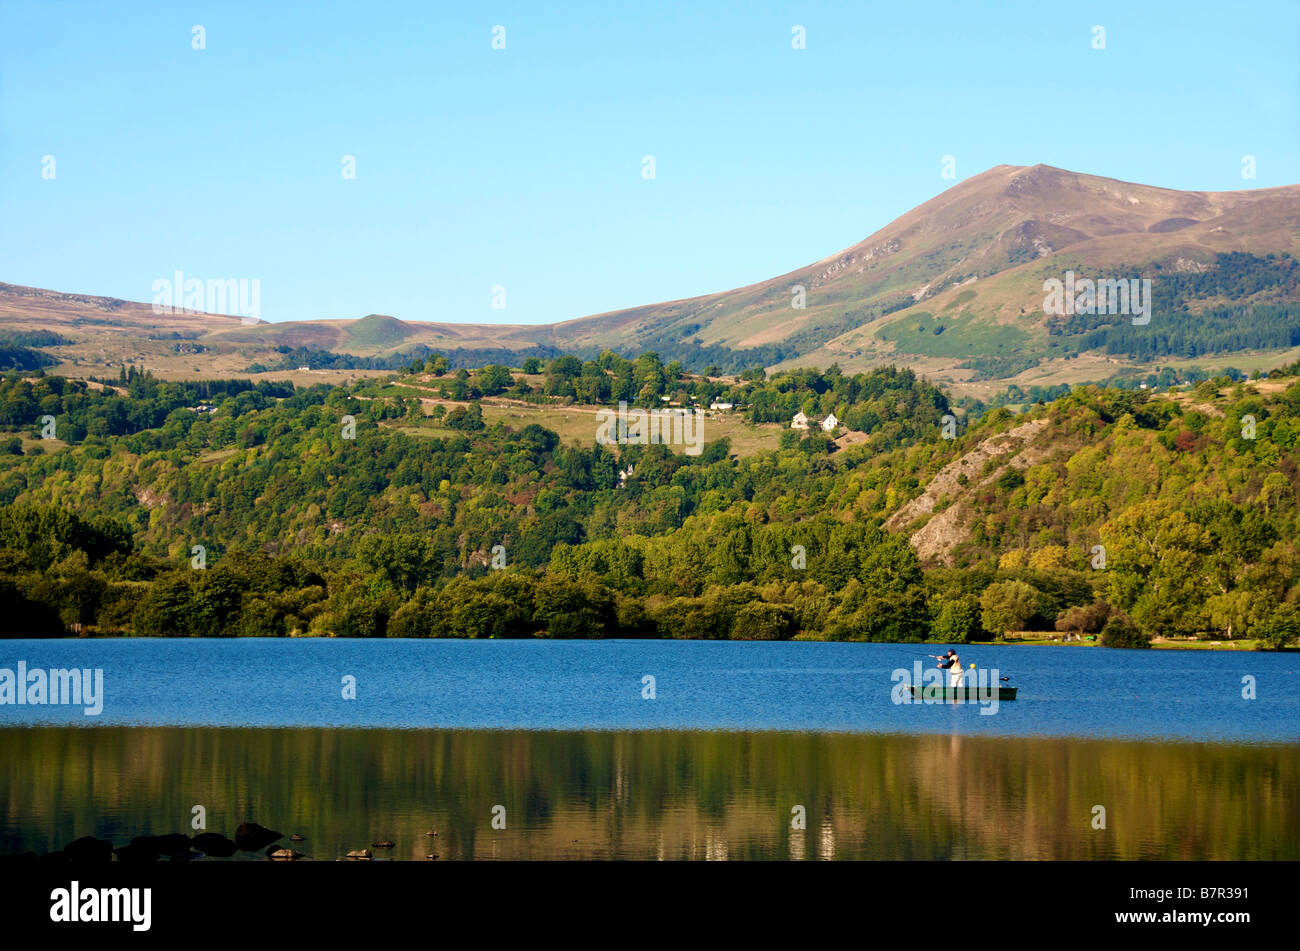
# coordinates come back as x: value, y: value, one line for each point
x: 973, y: 260
x: 954, y: 289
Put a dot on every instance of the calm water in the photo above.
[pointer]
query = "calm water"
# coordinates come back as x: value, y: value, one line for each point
x: 709, y: 685
x: 557, y: 733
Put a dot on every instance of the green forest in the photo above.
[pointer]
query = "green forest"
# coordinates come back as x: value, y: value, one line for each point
x: 395, y: 507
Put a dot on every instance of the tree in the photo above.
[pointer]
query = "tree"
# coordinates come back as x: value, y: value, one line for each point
x: 1158, y: 566
x: 361, y: 609
x: 405, y: 560
x: 758, y: 621
x: 466, y: 418
x: 1279, y: 626
x: 573, y: 609
x: 1006, y: 605
x: 957, y: 621
x: 1084, y: 618
x: 494, y: 379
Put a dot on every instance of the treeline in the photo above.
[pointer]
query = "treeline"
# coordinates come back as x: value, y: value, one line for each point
x: 1182, y: 334
x: 682, y: 346
x: 18, y: 349
x: 731, y: 581
x: 317, y: 359
x: 24, y: 359
x: 327, y: 511
x: 1235, y: 275
x: 1265, y: 317
x: 133, y: 403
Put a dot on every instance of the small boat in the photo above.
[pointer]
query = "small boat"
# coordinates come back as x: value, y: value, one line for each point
x: 968, y: 694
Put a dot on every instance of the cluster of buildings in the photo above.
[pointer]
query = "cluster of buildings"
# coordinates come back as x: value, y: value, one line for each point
x: 801, y: 421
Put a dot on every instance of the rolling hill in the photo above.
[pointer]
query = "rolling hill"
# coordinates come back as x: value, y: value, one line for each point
x: 953, y: 288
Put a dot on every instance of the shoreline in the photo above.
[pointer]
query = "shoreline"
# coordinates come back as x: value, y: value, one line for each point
x: 1245, y: 645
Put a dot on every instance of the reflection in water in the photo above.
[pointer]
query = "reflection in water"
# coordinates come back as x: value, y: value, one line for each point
x: 656, y: 795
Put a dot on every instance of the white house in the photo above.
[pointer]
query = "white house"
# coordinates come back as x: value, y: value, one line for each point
x: 800, y: 421
x: 830, y: 422
x: 716, y: 405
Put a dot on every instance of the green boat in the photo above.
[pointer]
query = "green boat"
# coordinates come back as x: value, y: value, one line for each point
x: 968, y: 694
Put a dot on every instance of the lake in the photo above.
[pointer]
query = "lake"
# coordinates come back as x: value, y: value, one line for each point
x: 737, y: 735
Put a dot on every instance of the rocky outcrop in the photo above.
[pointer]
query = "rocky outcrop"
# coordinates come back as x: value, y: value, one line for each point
x: 937, y: 539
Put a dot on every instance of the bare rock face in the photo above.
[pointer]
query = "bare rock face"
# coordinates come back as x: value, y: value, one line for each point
x: 938, y: 537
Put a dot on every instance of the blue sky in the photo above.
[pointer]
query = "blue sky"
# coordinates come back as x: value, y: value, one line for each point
x: 523, y: 167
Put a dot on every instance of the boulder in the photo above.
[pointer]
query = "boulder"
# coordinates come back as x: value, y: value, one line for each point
x: 283, y: 855
x: 89, y: 849
x: 173, y: 843
x: 215, y: 844
x: 383, y: 844
x: 136, y: 853
x: 359, y: 855
x: 252, y: 837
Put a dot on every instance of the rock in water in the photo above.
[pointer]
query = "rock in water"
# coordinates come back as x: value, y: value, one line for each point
x: 215, y: 844
x: 283, y: 855
x: 383, y: 844
x: 252, y: 837
x: 173, y: 843
x: 296, y: 837
x: 136, y: 853
x: 89, y: 849
x: 359, y: 855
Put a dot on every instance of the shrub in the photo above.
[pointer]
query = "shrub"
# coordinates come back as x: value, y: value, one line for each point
x: 1084, y: 618
x: 1120, y: 631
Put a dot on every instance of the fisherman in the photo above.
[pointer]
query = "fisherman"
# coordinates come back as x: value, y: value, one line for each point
x: 952, y: 663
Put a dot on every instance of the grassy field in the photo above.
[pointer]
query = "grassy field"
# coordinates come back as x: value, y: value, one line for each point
x: 576, y: 425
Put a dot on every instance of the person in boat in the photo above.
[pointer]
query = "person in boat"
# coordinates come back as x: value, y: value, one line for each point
x: 952, y: 663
